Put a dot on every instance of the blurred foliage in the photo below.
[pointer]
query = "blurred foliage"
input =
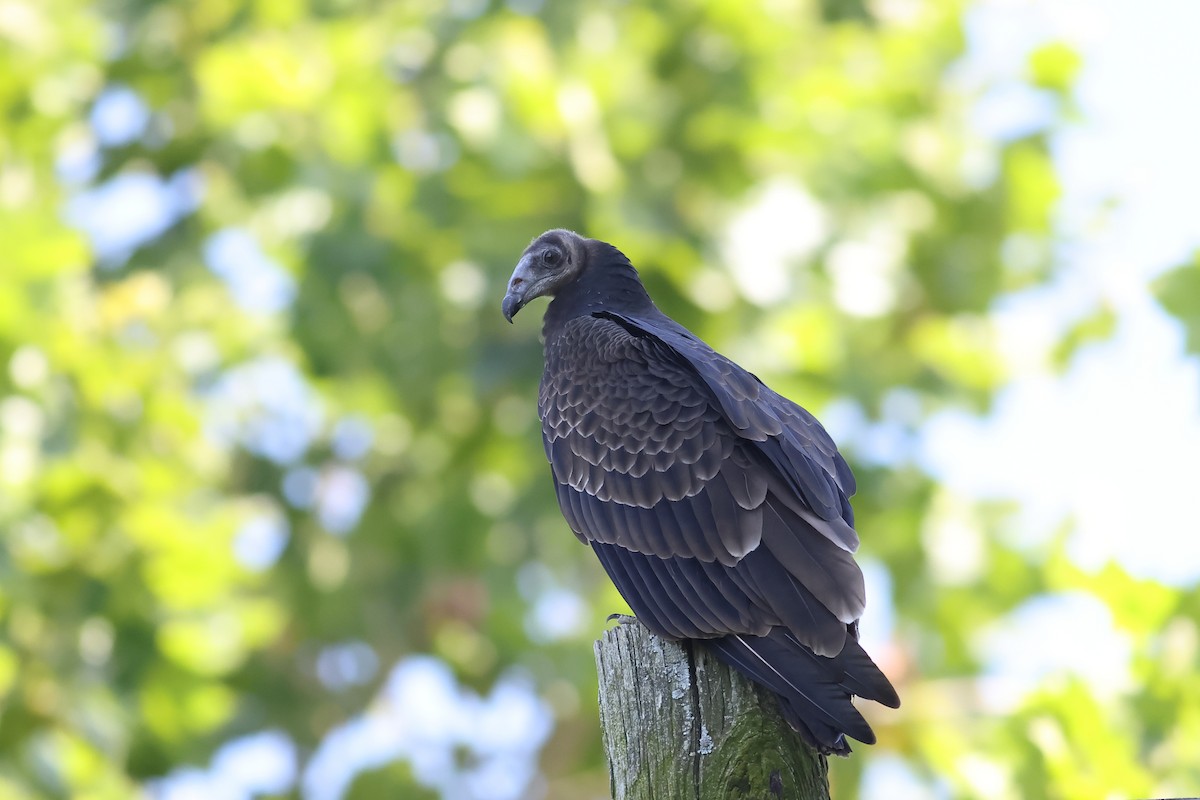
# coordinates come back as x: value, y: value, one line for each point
x: 796, y: 181
x: 1179, y: 292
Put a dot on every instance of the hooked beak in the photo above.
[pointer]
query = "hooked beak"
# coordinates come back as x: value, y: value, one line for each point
x: 519, y: 288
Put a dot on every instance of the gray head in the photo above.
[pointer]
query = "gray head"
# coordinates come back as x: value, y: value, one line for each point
x: 552, y: 260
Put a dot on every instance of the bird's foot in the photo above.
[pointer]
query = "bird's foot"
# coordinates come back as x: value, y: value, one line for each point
x: 622, y: 619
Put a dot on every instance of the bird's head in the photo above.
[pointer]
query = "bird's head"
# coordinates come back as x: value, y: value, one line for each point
x: 553, y: 260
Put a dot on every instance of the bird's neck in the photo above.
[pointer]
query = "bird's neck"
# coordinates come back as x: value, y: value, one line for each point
x: 610, y: 283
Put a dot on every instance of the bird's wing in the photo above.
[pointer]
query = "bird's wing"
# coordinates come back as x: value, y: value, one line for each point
x: 705, y: 526
x: 795, y: 442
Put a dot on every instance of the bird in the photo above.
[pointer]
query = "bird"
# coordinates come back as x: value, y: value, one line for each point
x: 718, y: 508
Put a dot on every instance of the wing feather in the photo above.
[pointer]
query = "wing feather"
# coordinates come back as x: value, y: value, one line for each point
x: 828, y: 571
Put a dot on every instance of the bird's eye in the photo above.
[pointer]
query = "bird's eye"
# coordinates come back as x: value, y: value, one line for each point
x: 551, y: 257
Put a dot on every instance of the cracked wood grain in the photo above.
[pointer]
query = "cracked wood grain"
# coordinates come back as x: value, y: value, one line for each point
x: 680, y: 725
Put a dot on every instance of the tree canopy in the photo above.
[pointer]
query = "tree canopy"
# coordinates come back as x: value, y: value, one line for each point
x: 274, y: 506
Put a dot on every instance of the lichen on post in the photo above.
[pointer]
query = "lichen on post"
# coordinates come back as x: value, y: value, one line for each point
x: 678, y: 724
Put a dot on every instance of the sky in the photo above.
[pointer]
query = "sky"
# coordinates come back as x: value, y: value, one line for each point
x: 1109, y: 445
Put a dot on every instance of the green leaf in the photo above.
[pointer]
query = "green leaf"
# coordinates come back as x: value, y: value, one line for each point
x: 1179, y: 293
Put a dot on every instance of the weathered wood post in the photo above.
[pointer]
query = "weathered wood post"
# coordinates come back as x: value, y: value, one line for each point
x: 680, y: 725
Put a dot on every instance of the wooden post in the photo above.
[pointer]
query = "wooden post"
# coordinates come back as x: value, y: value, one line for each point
x: 680, y: 725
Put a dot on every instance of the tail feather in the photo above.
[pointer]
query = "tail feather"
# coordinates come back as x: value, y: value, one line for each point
x: 862, y: 677
x: 814, y: 691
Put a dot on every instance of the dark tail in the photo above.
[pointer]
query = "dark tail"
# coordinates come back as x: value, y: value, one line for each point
x: 814, y: 691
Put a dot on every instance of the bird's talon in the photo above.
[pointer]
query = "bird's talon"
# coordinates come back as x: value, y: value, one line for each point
x: 622, y: 619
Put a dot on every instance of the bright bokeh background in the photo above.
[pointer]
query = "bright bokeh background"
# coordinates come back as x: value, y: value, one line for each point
x: 274, y: 515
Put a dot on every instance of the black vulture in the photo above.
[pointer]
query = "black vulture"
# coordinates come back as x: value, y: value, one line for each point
x: 718, y: 508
